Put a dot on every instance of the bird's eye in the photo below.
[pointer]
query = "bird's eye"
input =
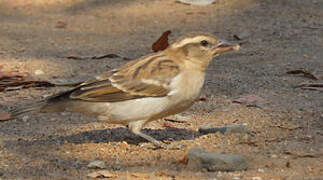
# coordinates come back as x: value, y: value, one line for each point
x: 204, y: 43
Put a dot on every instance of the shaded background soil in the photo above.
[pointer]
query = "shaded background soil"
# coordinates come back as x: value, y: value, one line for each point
x: 285, y: 139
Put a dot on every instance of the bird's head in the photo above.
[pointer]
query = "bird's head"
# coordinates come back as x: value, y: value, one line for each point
x: 201, y: 48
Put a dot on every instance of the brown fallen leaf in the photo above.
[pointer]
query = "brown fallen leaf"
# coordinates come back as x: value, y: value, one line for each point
x: 305, y: 73
x: 162, y: 42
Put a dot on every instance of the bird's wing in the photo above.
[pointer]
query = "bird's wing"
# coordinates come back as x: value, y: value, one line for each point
x: 146, y: 77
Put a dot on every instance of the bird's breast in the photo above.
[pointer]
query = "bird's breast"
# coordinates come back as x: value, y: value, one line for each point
x: 187, y: 86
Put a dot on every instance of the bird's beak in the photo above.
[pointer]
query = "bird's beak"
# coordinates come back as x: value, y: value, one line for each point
x: 224, y: 46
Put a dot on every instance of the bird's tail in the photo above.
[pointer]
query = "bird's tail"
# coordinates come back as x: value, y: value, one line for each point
x: 56, y: 103
x: 16, y: 112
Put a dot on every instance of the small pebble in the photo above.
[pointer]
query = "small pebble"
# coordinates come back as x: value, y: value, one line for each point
x: 199, y: 159
x: 116, y: 167
x: 101, y: 174
x: 25, y: 118
x: 274, y: 156
x: 96, y: 165
x: 256, y: 178
x: 38, y: 72
x: 261, y: 170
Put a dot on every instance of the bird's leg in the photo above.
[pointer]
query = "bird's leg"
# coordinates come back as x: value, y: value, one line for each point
x: 136, y: 126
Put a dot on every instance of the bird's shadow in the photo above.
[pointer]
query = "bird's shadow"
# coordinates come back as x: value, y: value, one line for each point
x: 108, y: 135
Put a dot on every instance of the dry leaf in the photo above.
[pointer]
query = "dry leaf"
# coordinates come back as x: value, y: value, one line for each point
x: 162, y: 42
x: 305, y: 73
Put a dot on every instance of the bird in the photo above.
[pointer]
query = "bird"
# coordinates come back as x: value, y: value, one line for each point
x: 143, y: 90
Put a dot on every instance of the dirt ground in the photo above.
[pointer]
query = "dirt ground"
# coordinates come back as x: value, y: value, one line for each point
x: 285, y: 139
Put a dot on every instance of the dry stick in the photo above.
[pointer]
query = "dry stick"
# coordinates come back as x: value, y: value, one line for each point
x: 303, y: 154
x: 288, y: 128
x: 172, y: 120
x: 305, y: 73
x: 311, y: 86
x: 255, y: 143
x: 110, y: 56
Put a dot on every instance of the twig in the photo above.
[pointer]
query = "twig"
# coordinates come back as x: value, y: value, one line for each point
x: 288, y: 128
x: 311, y: 86
x: 303, y: 154
x: 176, y: 121
x: 305, y: 73
x: 110, y: 56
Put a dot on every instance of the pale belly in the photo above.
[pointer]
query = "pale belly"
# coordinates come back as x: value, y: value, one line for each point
x: 142, y: 109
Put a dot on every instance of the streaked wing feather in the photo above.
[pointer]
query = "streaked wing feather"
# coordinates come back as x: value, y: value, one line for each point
x: 150, y: 77
x: 147, y: 77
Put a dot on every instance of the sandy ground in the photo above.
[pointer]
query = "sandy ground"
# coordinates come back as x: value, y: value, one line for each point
x: 285, y: 139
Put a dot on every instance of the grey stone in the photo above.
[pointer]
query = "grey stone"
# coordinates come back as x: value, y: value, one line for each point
x: 96, y: 165
x: 199, y: 159
x: 234, y: 128
x: 242, y: 35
